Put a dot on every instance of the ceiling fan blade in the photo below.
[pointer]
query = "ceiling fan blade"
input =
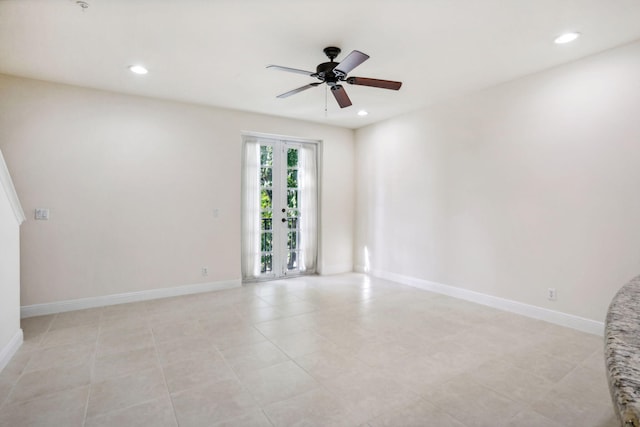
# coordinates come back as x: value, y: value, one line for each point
x: 298, y: 90
x: 352, y: 60
x: 341, y: 96
x: 384, y: 84
x: 291, y: 70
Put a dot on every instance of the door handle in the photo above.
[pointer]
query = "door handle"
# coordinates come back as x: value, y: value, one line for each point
x: 284, y: 219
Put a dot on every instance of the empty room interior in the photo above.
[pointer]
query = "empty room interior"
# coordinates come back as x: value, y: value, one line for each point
x: 286, y: 213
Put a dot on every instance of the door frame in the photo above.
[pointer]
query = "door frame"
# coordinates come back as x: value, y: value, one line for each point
x: 259, y: 137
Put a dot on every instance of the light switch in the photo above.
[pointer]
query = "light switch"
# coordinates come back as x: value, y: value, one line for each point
x: 216, y: 212
x: 42, y: 214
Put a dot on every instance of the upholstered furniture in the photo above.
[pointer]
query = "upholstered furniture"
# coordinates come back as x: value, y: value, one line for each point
x: 622, y: 352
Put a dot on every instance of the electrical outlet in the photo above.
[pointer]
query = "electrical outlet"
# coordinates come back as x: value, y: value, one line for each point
x: 205, y: 271
x: 552, y: 295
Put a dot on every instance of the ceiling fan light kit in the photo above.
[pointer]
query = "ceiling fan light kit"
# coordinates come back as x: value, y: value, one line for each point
x: 333, y: 73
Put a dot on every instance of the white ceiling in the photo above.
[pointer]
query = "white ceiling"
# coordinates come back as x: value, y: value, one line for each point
x: 214, y: 52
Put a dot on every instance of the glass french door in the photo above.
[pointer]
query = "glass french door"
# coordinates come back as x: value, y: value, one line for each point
x: 279, y: 208
x: 283, y: 241
x: 279, y: 213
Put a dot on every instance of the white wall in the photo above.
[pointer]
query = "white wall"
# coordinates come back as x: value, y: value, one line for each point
x: 522, y: 187
x: 131, y: 184
x: 11, y: 216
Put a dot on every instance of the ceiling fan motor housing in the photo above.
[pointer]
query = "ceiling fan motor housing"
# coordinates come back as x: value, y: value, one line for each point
x: 325, y: 73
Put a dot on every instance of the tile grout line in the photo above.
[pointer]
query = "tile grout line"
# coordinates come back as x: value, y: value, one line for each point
x: 127, y: 374
x: 235, y: 374
x: 321, y: 385
x: 22, y: 371
x: 92, y: 370
x: 164, y: 377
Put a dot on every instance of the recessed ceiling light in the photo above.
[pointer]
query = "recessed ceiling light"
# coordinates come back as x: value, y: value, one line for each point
x: 362, y: 113
x: 138, y: 69
x: 566, y: 38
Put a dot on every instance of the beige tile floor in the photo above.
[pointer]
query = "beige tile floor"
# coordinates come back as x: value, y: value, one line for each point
x: 333, y: 351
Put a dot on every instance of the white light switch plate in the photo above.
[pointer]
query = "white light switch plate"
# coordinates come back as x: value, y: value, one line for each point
x: 42, y: 214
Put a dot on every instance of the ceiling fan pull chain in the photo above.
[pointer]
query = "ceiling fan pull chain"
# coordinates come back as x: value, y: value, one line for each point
x: 326, y: 91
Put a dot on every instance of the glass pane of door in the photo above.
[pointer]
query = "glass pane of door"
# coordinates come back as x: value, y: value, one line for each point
x: 293, y: 213
x: 266, y: 209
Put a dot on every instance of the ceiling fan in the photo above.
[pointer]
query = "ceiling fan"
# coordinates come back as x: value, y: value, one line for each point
x: 333, y: 73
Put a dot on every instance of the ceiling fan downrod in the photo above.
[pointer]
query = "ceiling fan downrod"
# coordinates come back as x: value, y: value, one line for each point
x: 332, y: 52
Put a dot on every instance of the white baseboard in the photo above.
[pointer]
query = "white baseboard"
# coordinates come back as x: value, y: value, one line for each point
x: 9, y: 350
x: 79, y: 304
x: 540, y: 313
x: 328, y: 270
